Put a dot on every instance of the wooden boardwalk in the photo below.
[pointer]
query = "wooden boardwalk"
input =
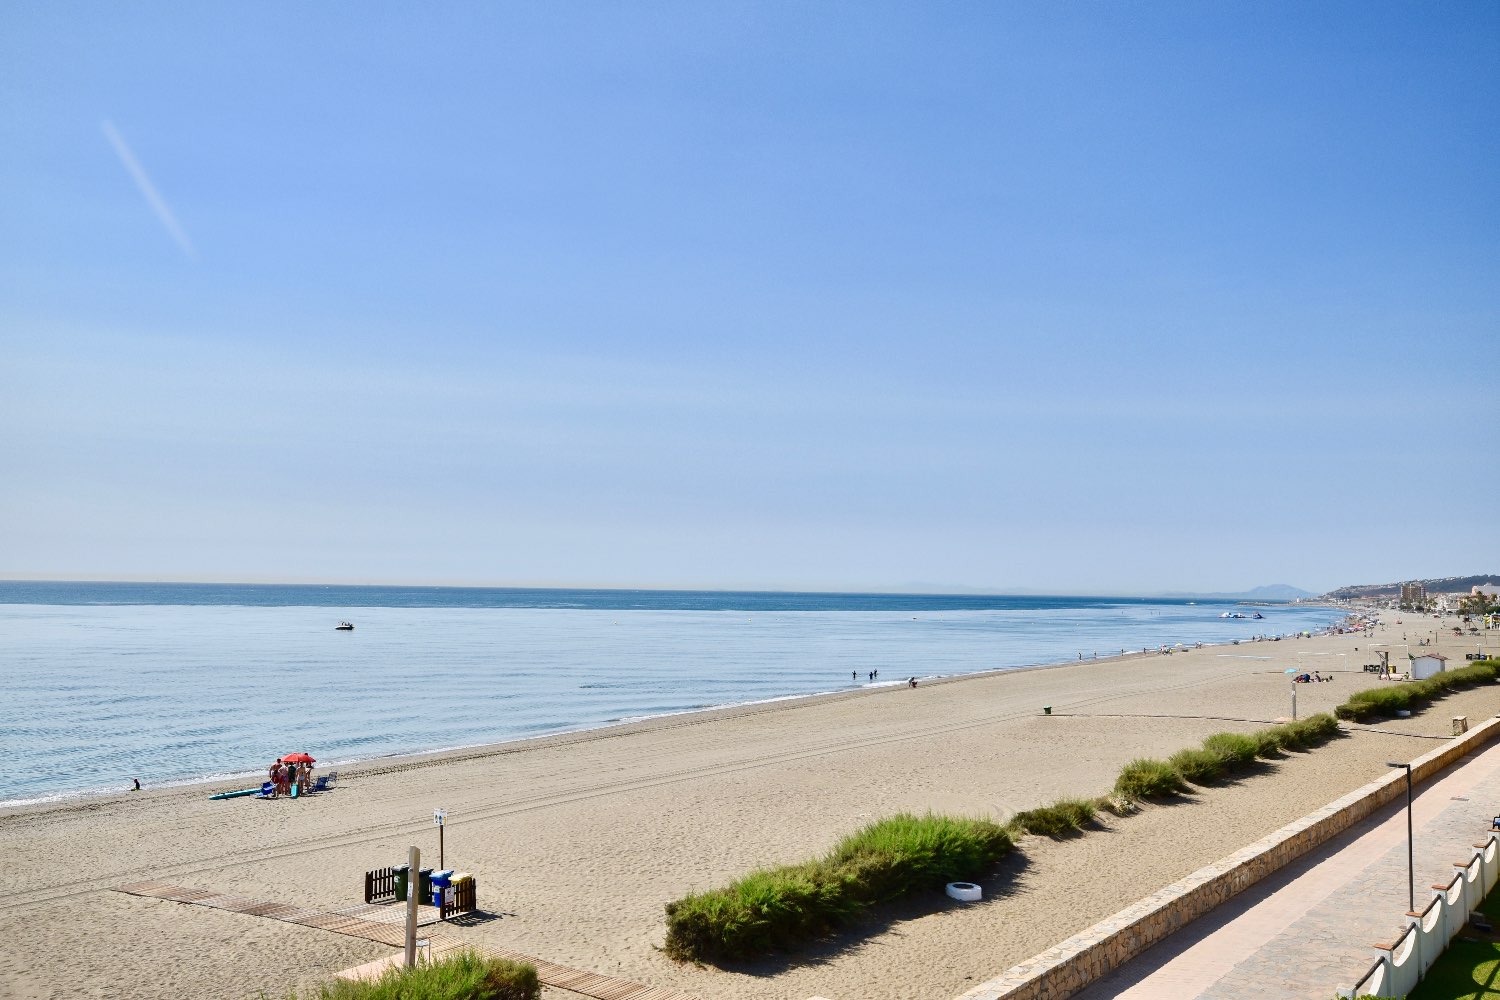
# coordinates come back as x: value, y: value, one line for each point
x: 385, y: 925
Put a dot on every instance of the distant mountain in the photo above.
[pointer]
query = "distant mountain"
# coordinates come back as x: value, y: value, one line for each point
x: 1278, y: 592
x: 1269, y: 592
x: 1439, y: 585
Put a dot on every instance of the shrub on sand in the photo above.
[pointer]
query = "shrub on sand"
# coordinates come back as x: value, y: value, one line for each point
x: 1236, y: 750
x: 1146, y: 778
x: 780, y: 909
x: 1304, y: 734
x: 1315, y: 730
x: 1388, y: 699
x: 1379, y: 702
x: 1061, y: 817
x: 464, y: 975
x: 1269, y: 742
x: 1201, y: 767
x: 915, y: 852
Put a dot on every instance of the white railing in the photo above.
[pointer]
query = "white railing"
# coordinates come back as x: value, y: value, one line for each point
x: 1402, y: 964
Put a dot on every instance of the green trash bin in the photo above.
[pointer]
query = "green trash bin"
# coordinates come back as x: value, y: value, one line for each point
x: 402, y: 873
x: 424, y: 885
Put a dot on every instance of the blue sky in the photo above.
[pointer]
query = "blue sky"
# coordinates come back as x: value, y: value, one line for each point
x: 1087, y: 298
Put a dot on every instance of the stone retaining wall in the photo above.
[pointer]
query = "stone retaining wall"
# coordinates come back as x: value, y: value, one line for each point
x: 1064, y: 969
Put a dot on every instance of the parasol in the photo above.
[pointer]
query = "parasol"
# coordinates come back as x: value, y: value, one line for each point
x: 298, y: 758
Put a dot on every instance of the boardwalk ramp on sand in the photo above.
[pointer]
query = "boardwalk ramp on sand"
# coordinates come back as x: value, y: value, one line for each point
x: 385, y: 926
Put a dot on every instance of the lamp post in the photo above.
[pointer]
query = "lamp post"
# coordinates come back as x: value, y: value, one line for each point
x: 1411, y: 872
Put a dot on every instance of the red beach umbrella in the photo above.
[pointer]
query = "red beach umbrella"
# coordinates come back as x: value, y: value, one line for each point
x: 298, y: 758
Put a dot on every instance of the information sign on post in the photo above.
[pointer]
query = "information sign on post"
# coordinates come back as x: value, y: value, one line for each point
x: 438, y: 816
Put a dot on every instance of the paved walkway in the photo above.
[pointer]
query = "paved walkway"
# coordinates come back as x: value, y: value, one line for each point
x: 1307, y: 931
x: 386, y: 925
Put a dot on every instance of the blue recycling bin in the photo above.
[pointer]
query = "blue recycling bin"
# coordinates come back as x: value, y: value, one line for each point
x: 440, y: 881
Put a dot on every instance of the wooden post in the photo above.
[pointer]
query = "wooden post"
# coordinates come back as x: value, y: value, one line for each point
x: 414, y: 863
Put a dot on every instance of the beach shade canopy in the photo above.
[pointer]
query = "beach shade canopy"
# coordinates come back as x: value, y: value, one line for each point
x: 298, y: 758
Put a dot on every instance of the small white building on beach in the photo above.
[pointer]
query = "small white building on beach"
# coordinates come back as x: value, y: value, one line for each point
x: 1427, y: 664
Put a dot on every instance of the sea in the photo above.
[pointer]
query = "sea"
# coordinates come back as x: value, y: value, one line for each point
x: 178, y: 683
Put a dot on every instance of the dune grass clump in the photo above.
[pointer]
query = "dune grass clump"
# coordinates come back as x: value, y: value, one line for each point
x: 1059, y: 819
x: 1269, y: 742
x: 780, y: 909
x: 1224, y: 754
x: 1147, y: 778
x: 1304, y: 734
x: 1237, y: 750
x: 1481, y: 672
x: 463, y: 975
x: 1376, y: 703
x: 1387, y: 700
x: 1313, y: 731
x: 1199, y: 766
x: 899, y: 855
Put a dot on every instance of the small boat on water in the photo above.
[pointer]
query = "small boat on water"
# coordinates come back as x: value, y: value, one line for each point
x: 344, y: 627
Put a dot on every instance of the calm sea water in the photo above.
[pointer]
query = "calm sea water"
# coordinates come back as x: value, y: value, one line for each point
x: 179, y: 682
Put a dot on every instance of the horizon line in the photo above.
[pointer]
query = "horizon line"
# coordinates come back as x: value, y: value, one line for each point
x: 957, y: 591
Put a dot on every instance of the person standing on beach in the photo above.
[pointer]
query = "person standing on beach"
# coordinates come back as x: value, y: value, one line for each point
x: 137, y: 785
x: 275, y: 775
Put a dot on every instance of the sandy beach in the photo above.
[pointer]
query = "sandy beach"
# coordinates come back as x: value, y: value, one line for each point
x: 578, y: 841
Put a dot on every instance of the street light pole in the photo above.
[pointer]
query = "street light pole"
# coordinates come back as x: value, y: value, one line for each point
x: 1411, y: 873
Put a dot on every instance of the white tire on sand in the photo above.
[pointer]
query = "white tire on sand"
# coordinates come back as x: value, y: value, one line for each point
x: 966, y: 892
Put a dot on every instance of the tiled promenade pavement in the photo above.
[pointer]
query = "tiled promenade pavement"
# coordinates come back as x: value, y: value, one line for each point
x: 1306, y: 931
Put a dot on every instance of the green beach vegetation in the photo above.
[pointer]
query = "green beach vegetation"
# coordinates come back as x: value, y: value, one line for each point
x: 781, y: 909
x: 1221, y: 755
x: 778, y: 909
x: 1147, y: 778
x: 1062, y: 817
x: 462, y: 975
x: 1385, y: 701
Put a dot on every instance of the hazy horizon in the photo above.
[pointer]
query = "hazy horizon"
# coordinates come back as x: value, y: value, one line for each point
x: 909, y: 588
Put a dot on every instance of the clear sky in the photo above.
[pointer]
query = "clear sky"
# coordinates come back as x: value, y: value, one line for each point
x: 1108, y: 298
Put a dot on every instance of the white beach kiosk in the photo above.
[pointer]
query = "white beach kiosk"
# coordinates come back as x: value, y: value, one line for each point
x: 1427, y: 664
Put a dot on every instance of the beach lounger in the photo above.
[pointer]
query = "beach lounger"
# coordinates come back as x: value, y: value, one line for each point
x: 323, y: 782
x: 266, y: 790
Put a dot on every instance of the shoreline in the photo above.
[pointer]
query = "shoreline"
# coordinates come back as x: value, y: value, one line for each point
x: 578, y: 840
x: 403, y: 760
x: 345, y: 744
